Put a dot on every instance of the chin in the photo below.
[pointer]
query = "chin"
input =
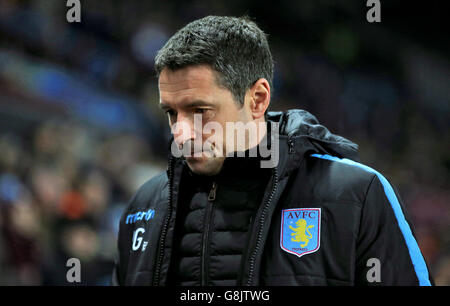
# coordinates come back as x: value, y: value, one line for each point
x: 204, y: 165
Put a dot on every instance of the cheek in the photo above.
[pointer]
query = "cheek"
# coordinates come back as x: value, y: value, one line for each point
x: 215, y: 123
x: 213, y: 132
x: 209, y: 115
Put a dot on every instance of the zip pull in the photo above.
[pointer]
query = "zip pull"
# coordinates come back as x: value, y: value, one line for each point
x: 212, y: 192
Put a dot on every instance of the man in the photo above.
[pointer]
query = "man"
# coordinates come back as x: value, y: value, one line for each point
x: 227, y: 213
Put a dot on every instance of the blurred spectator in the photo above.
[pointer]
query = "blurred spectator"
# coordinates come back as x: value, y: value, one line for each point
x: 62, y: 197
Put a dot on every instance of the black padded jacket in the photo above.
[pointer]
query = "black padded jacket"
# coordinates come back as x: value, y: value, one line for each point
x: 324, y: 219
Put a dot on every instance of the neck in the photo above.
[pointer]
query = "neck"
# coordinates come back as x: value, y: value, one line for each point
x: 255, y: 132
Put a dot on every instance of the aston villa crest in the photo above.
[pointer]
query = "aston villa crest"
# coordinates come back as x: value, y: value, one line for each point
x: 300, y: 230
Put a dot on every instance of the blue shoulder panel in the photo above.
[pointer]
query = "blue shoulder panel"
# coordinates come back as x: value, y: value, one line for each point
x: 416, y: 256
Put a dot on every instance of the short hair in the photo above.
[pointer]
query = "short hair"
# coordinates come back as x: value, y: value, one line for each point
x: 234, y: 47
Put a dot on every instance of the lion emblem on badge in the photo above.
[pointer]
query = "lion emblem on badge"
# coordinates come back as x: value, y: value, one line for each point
x: 301, y: 232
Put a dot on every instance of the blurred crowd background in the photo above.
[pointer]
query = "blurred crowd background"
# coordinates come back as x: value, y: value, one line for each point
x: 80, y: 129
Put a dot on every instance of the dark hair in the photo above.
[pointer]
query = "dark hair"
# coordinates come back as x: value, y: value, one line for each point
x: 232, y: 46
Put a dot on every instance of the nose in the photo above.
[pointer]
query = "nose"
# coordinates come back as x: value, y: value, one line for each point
x: 183, y: 130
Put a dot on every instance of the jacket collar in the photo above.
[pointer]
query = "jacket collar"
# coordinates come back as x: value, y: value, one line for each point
x: 301, y: 135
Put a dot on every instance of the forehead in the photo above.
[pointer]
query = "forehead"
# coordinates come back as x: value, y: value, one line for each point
x: 192, y: 81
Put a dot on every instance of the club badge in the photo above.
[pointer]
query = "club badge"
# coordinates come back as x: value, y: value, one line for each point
x: 300, y: 230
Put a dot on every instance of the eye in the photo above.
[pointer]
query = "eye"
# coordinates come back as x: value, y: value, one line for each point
x: 170, y: 112
x: 200, y: 110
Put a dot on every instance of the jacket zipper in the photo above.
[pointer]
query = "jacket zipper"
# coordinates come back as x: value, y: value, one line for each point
x: 164, y: 229
x: 260, y: 229
x: 208, y: 216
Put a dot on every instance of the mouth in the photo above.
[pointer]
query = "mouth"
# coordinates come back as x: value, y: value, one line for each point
x: 199, y: 152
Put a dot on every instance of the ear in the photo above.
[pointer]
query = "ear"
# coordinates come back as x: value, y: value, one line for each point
x: 259, y: 96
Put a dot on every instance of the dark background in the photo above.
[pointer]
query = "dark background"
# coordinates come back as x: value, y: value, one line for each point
x: 80, y: 129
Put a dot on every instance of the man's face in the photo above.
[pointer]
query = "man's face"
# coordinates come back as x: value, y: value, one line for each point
x: 193, y: 91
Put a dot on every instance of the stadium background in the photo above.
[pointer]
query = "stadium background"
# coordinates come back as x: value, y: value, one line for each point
x: 80, y: 129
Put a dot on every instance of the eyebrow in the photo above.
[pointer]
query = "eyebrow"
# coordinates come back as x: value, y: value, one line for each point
x: 192, y: 104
